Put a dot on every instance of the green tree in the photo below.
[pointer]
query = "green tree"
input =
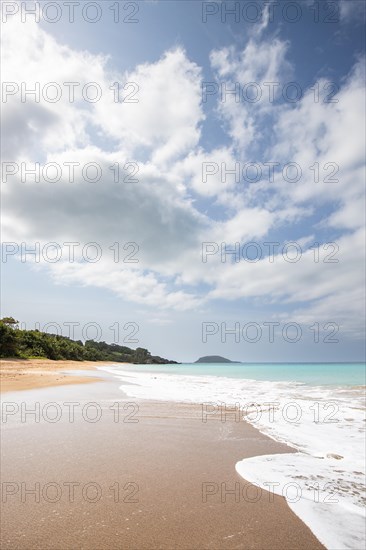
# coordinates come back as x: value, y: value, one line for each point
x: 8, y: 343
x: 10, y: 321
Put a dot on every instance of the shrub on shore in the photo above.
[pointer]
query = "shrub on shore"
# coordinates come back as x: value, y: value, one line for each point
x: 27, y: 344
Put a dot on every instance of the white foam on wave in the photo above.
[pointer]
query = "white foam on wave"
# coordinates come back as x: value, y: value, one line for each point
x: 323, y: 502
x: 325, y: 424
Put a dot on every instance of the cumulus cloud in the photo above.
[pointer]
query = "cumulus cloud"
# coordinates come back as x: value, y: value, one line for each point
x: 166, y: 208
x: 329, y: 138
x: 153, y: 121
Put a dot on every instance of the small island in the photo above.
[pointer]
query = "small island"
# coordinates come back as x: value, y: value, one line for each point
x: 214, y: 359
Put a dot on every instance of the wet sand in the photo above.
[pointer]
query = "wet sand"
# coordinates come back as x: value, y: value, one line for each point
x: 26, y: 374
x: 170, y: 468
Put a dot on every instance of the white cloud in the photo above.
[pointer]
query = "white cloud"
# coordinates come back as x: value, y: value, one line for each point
x: 330, y: 292
x: 253, y: 72
x: 352, y: 10
x: 165, y: 119
x: 146, y: 118
x: 160, y: 212
x: 39, y: 126
x: 332, y: 135
x: 203, y: 171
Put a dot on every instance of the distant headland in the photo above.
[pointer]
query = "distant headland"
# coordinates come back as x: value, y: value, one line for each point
x: 214, y: 359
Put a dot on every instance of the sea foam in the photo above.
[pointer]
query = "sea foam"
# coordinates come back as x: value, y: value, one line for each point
x: 324, y: 482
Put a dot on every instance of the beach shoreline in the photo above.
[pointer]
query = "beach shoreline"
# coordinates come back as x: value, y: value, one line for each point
x: 189, y: 495
x: 324, y: 481
x: 26, y: 374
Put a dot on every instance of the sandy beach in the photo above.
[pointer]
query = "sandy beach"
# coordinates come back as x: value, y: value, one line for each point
x: 139, y: 475
x: 27, y: 374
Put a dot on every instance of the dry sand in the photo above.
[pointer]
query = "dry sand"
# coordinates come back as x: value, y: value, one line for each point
x: 26, y: 374
x: 160, y: 464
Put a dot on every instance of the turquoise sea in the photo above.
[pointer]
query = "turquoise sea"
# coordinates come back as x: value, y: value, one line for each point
x: 318, y: 409
x: 334, y: 374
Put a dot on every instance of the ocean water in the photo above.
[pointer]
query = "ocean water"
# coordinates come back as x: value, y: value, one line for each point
x: 352, y: 374
x: 318, y: 409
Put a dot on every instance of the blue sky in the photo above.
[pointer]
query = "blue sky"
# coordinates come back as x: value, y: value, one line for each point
x: 174, y: 137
